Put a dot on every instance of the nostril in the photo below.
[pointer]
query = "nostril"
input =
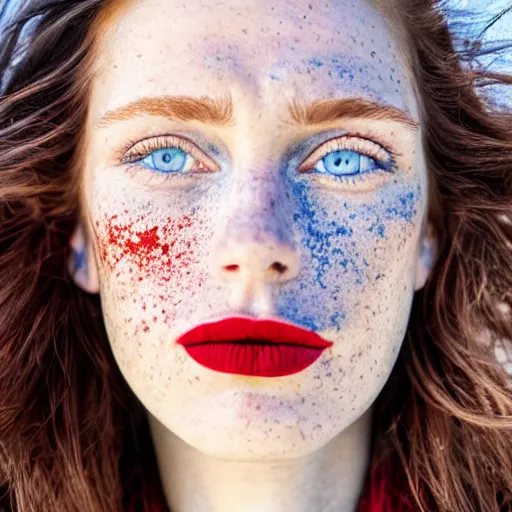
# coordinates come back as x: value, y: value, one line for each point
x: 278, y: 267
x: 232, y: 268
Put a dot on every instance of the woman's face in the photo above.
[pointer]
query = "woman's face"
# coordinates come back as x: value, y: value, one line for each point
x: 258, y: 159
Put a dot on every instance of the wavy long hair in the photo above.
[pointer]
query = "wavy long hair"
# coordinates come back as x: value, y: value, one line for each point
x: 72, y: 435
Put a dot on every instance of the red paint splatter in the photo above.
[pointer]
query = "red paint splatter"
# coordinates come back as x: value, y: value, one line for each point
x: 165, y: 249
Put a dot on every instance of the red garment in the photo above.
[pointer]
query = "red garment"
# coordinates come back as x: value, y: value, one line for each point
x: 384, y: 496
x: 380, y: 496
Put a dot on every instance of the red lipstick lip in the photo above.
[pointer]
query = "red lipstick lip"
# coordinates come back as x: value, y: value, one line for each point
x: 255, y: 347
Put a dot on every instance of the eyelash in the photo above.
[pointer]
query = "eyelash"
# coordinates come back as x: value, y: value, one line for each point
x: 385, y: 159
x: 140, y: 150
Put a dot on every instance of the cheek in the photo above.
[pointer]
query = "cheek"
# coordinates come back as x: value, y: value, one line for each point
x: 162, y: 249
x: 148, y: 264
x: 359, y: 254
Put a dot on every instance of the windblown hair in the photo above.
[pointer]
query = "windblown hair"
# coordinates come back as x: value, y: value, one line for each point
x: 72, y: 435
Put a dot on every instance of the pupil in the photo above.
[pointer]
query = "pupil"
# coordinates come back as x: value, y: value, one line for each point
x: 167, y: 158
x: 337, y: 162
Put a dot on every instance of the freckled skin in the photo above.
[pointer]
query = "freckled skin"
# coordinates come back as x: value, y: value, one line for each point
x: 353, y: 249
x: 347, y: 241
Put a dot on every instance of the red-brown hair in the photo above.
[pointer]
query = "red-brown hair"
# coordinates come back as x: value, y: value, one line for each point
x: 70, y: 429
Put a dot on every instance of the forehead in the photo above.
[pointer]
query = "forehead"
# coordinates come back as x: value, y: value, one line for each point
x: 268, y: 50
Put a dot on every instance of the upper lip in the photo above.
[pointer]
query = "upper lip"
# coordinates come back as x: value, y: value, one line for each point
x: 242, y: 329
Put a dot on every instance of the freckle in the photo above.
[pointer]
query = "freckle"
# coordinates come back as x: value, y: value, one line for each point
x: 144, y: 307
x: 155, y: 319
x: 146, y: 328
x: 373, y: 55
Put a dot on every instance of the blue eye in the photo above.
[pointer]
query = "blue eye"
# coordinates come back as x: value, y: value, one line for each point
x: 167, y: 160
x: 346, y: 163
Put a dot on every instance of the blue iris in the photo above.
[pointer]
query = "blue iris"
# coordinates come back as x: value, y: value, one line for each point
x: 346, y: 163
x: 166, y: 160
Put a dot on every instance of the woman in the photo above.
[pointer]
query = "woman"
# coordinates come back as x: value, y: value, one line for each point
x: 297, y: 219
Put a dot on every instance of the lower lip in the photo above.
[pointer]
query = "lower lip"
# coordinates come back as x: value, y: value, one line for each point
x: 254, y: 359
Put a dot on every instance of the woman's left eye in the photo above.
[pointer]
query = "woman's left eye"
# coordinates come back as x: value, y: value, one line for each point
x: 346, y: 163
x: 348, y: 157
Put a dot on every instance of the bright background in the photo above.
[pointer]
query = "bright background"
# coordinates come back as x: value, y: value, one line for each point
x: 468, y: 19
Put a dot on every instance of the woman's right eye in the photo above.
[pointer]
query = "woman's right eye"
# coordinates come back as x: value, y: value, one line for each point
x: 169, y: 155
x: 168, y: 160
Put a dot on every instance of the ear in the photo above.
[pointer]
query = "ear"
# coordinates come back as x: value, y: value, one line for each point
x: 427, y: 256
x: 82, y: 264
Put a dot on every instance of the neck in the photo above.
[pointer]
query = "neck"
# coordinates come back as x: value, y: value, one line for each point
x: 328, y: 480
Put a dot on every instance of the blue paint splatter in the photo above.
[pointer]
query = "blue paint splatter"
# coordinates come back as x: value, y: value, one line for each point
x: 78, y: 259
x: 337, y: 241
x: 428, y: 255
x: 294, y: 313
x: 318, y: 234
x: 314, y: 61
x: 405, y: 209
x: 337, y: 320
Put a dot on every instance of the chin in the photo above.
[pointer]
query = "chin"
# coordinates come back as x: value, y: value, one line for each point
x: 253, y: 443
x: 253, y: 426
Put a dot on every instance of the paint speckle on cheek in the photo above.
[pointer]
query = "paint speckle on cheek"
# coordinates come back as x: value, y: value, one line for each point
x: 322, y: 232
x: 149, y: 265
x: 392, y: 207
x: 163, y: 250
x: 348, y: 246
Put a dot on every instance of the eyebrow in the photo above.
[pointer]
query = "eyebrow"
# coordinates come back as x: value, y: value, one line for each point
x: 220, y: 111
x: 326, y: 111
x: 182, y: 108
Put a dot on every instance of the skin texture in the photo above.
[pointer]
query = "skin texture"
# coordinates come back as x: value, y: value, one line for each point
x: 168, y: 252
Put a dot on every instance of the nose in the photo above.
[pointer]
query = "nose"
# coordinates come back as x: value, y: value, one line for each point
x: 256, y: 242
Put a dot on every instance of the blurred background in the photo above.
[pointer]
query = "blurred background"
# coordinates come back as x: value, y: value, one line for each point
x: 484, y: 20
